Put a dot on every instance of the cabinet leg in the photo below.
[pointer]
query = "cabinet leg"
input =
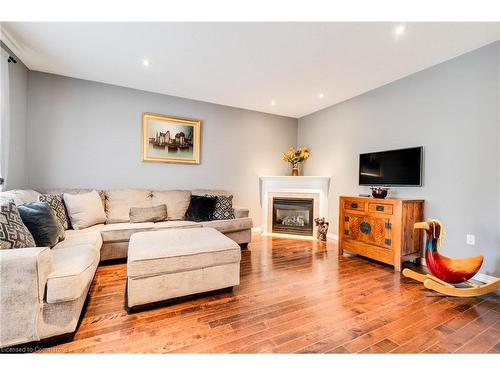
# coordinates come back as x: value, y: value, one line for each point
x: 397, y: 266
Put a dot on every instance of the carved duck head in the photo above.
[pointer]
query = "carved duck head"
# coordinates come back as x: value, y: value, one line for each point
x: 433, y: 229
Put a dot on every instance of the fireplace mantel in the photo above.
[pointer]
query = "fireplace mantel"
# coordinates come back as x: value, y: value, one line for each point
x: 318, y: 186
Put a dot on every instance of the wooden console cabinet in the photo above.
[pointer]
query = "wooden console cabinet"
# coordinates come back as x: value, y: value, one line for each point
x: 381, y: 229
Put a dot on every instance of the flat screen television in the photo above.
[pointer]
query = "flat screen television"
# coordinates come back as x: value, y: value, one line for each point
x: 391, y: 168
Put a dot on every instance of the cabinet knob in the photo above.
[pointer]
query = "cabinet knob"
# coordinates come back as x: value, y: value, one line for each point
x: 379, y: 207
x: 354, y: 205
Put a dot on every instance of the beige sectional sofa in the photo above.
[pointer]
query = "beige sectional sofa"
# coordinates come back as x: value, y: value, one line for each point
x: 43, y: 290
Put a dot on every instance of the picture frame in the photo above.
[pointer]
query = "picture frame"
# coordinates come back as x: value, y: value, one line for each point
x: 170, y: 139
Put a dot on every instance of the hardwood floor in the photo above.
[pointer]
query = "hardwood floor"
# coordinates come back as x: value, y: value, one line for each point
x: 295, y: 296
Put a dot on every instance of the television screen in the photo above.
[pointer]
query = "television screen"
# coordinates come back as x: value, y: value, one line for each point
x: 391, y: 168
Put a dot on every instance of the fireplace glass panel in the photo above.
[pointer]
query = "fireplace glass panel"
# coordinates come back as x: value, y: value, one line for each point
x: 293, y: 216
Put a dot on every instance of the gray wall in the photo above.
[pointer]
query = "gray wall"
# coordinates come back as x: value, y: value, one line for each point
x: 18, y: 87
x: 88, y: 134
x: 451, y: 109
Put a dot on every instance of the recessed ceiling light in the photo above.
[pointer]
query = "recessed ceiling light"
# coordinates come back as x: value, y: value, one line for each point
x: 145, y: 62
x: 321, y: 95
x: 273, y: 102
x: 399, y: 30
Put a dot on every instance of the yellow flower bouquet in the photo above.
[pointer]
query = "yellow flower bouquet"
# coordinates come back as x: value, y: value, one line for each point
x: 295, y: 157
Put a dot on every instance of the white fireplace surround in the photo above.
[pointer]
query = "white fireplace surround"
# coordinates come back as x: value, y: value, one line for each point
x: 286, y: 186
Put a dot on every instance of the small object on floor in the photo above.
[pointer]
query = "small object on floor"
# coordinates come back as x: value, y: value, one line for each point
x: 447, y: 271
x: 322, y: 225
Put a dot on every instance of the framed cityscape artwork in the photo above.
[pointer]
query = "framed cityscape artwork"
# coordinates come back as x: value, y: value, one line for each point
x: 168, y: 139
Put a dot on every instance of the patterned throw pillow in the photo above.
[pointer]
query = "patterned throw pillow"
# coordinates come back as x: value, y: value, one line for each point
x: 223, y: 207
x: 56, y: 202
x: 13, y: 232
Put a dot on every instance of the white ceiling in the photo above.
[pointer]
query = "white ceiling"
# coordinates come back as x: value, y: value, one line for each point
x: 246, y: 65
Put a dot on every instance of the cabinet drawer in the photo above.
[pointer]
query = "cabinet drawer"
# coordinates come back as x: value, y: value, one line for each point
x: 354, y: 205
x: 380, y: 208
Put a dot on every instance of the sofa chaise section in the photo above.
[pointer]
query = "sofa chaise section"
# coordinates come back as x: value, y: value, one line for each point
x: 43, y: 290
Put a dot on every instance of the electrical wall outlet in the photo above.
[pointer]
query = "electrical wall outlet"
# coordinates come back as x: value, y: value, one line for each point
x: 471, y: 239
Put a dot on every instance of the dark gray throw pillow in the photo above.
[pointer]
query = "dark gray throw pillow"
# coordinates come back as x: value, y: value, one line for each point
x: 223, y: 207
x: 41, y: 221
x: 57, y: 203
x: 13, y: 232
x: 148, y: 214
x: 200, y: 208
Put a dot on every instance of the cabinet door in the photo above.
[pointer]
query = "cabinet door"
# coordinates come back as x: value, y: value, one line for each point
x: 372, y: 230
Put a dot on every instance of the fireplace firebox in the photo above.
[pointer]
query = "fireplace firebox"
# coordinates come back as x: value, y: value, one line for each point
x: 293, y: 216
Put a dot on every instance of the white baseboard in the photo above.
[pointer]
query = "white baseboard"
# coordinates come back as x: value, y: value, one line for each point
x: 330, y: 236
x: 481, y: 277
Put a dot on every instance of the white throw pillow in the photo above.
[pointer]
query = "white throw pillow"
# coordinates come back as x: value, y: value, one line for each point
x: 84, y: 210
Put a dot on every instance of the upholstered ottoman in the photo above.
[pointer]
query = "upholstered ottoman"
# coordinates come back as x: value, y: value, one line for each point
x: 174, y: 263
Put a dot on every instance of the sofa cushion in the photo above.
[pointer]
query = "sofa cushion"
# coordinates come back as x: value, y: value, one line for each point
x: 13, y: 232
x: 41, y: 221
x: 119, y: 203
x: 176, y: 224
x: 228, y: 226
x: 84, y: 210
x: 180, y: 250
x: 81, y: 237
x: 73, y: 270
x: 20, y: 196
x: 56, y: 202
x: 145, y: 214
x: 94, y: 228
x: 120, y: 232
x: 177, y: 202
x: 61, y: 192
x: 200, y: 208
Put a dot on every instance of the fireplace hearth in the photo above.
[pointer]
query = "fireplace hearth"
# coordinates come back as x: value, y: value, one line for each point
x: 293, y: 216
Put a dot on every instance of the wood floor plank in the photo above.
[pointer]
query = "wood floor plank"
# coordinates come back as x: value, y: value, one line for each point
x: 383, y: 346
x: 482, y: 343
x: 295, y: 296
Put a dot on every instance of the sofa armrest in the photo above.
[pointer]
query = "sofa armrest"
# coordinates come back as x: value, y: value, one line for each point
x: 23, y: 277
x: 240, y: 212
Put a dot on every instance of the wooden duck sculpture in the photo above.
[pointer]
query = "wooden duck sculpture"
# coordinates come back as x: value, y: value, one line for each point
x: 446, y: 271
